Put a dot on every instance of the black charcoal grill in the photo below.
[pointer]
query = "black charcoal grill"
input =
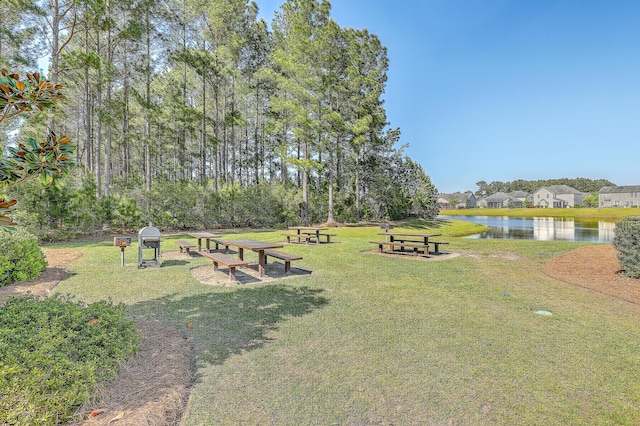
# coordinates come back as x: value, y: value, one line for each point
x: 149, y: 239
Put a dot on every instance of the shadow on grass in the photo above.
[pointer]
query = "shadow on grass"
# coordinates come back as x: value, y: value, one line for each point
x: 229, y: 323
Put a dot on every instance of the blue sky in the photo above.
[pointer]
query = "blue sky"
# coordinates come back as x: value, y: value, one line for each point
x: 499, y: 90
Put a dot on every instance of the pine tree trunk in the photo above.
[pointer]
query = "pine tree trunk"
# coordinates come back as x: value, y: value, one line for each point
x: 107, y: 147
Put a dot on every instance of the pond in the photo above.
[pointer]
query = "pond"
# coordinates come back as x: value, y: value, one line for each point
x: 542, y: 228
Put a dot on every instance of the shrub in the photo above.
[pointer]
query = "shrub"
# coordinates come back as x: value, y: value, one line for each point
x: 125, y: 213
x: 21, y: 259
x: 54, y: 353
x: 627, y: 242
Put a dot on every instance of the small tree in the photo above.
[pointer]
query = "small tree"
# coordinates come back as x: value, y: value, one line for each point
x: 590, y: 201
x: 626, y: 241
x: 46, y: 159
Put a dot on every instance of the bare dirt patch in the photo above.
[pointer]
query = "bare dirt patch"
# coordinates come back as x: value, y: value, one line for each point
x: 152, y: 388
x: 596, y: 268
x: 55, y: 272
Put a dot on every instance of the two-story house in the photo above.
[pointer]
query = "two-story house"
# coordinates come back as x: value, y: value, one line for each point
x: 619, y: 196
x: 557, y: 196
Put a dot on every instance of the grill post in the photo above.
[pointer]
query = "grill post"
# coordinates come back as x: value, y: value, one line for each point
x: 122, y: 242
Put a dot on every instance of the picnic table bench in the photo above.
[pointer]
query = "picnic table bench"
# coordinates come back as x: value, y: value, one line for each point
x: 307, y: 238
x: 417, y: 247
x: 207, y: 236
x: 419, y: 242
x: 310, y: 234
x: 255, y: 246
x: 219, y: 242
x: 321, y: 234
x: 286, y: 257
x: 436, y: 246
x: 185, y: 246
x: 392, y: 244
x: 230, y: 262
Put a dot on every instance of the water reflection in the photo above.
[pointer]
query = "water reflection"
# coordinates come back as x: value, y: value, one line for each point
x: 542, y: 228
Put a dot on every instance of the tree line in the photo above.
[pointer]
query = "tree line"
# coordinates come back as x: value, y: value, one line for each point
x: 201, y: 114
x: 592, y: 186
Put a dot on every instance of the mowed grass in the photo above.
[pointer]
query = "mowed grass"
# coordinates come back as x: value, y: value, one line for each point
x: 369, y: 339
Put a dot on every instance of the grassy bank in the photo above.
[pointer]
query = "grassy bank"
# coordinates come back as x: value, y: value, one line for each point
x: 368, y: 339
x: 613, y: 214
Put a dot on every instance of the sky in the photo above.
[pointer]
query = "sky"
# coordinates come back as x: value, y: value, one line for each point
x: 500, y: 90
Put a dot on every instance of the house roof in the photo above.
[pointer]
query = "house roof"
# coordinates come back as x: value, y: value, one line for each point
x: 619, y: 189
x: 519, y: 194
x: 498, y: 197
x: 561, y: 189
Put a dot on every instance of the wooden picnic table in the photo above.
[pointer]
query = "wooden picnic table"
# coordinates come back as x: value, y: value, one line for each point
x: 256, y: 246
x: 415, y: 241
x: 409, y: 237
x: 304, y: 232
x: 207, y: 236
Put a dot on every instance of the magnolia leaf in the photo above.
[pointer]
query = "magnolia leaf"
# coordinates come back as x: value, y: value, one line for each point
x: 6, y: 222
x: 5, y: 204
x: 46, y: 178
x: 46, y: 159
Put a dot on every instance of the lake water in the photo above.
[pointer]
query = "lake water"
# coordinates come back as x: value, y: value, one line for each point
x: 542, y: 228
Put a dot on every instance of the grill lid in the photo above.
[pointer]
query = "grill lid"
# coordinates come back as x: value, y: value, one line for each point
x: 149, y: 233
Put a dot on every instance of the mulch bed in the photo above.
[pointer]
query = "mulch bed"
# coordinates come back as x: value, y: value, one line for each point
x: 596, y: 268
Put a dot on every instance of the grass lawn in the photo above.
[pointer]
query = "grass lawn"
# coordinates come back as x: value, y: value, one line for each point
x: 368, y: 339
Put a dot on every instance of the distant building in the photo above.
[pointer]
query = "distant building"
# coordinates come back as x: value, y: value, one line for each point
x: 619, y: 196
x: 457, y: 200
x: 522, y: 196
x: 557, y: 196
x: 503, y: 200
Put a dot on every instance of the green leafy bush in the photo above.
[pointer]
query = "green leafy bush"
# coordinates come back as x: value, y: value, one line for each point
x: 21, y: 259
x: 627, y: 242
x: 54, y: 352
x: 67, y: 207
x: 125, y: 213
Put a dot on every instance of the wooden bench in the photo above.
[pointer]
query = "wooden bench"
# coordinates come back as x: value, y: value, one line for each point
x: 415, y: 246
x: 219, y: 242
x: 328, y: 236
x: 286, y: 257
x: 185, y: 246
x: 436, y: 245
x: 308, y: 238
x: 313, y: 235
x: 230, y: 262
